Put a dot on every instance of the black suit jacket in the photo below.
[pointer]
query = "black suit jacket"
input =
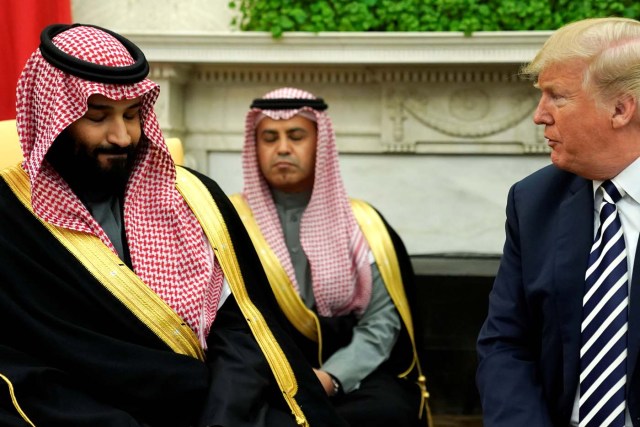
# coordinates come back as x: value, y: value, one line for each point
x: 529, y: 345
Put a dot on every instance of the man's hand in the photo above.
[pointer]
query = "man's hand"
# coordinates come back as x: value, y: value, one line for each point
x: 326, y: 381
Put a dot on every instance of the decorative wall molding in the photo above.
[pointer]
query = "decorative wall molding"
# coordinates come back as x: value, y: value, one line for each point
x: 349, y: 74
x: 174, y: 72
x: 493, y: 47
x: 172, y: 78
x: 440, y: 93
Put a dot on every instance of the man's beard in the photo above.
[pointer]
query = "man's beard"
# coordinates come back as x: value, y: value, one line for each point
x: 80, y: 168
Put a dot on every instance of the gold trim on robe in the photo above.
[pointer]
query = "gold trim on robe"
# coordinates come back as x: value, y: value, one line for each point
x: 386, y: 258
x: 15, y: 401
x: 294, y: 309
x: 115, y: 276
x: 209, y: 216
x: 107, y: 268
x: 305, y: 320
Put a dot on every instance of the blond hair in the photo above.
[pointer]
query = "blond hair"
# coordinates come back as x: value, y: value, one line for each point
x: 609, y: 47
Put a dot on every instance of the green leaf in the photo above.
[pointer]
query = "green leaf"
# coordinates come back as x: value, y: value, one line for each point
x: 298, y: 15
x: 468, y: 16
x: 286, y: 23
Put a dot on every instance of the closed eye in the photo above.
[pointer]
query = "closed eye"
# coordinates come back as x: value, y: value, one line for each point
x: 297, y: 134
x: 269, y: 136
x: 132, y: 114
x: 96, y: 118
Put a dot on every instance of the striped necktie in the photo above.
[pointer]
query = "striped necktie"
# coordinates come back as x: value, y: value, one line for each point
x: 603, y: 355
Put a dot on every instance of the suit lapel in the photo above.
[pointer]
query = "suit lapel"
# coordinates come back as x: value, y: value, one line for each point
x: 574, y: 240
x: 633, y: 337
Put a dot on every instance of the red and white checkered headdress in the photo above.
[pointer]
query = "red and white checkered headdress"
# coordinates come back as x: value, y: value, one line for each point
x: 166, y: 243
x: 330, y: 237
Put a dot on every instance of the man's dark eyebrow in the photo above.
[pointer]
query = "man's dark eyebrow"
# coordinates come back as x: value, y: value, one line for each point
x: 287, y: 130
x: 102, y: 107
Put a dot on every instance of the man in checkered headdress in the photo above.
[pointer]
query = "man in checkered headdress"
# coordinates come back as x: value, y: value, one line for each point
x: 336, y: 268
x: 122, y: 298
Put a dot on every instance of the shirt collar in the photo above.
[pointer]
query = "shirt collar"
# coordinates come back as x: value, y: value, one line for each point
x: 628, y: 181
x: 291, y: 200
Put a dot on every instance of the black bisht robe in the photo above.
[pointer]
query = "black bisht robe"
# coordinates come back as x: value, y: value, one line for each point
x: 75, y: 356
x: 401, y: 397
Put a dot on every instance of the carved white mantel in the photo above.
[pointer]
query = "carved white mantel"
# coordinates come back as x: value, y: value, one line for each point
x: 429, y: 92
x: 421, y: 118
x: 341, y: 48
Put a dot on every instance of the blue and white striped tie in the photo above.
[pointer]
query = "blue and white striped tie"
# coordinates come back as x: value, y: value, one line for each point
x: 603, y: 355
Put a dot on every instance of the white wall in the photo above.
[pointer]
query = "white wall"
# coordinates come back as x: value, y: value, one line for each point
x: 154, y: 15
x: 438, y: 204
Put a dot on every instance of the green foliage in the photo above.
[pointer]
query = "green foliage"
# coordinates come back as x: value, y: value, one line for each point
x: 467, y: 16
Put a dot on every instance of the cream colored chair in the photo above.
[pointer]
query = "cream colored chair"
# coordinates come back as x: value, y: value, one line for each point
x: 10, y: 152
x: 176, y: 150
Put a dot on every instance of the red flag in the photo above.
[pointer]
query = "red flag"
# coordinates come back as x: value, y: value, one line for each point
x: 21, y: 22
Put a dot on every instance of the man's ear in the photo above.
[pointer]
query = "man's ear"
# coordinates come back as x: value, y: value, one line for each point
x: 624, y: 110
